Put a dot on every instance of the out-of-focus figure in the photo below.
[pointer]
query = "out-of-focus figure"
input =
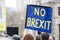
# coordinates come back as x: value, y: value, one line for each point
x: 50, y: 38
x: 44, y: 36
x: 16, y: 37
x: 28, y: 37
x: 38, y: 37
x: 53, y: 38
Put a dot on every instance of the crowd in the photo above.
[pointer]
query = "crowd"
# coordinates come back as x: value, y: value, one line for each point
x: 43, y: 36
x: 40, y: 36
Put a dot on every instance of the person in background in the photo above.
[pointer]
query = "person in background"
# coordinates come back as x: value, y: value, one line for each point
x: 28, y: 37
x: 50, y: 38
x: 16, y: 37
x: 53, y: 38
x: 38, y: 37
x: 44, y: 36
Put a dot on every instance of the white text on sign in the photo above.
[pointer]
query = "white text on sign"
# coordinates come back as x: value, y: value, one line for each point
x: 32, y: 22
x: 39, y: 12
x: 37, y: 23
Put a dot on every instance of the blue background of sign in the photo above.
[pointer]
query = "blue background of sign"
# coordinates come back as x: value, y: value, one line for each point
x: 47, y: 17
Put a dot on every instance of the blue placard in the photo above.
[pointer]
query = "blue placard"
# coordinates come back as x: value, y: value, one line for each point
x: 39, y: 18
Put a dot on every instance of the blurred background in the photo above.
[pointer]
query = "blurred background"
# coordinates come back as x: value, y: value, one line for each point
x: 16, y: 15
